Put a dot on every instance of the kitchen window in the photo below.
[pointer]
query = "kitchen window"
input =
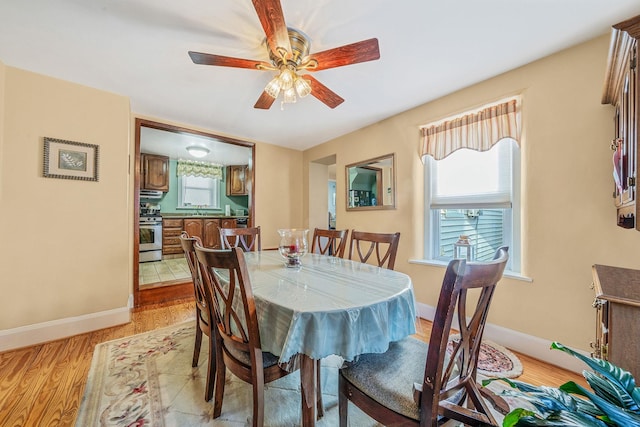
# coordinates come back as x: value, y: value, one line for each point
x: 197, y: 191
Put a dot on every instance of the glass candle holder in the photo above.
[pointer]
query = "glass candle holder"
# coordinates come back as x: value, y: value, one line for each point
x: 463, y: 248
x: 293, y: 246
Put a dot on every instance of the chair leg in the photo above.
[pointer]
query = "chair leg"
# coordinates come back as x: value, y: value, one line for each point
x: 220, y: 375
x: 319, y: 404
x: 211, y: 371
x: 197, y: 344
x: 258, y: 402
x: 343, y: 401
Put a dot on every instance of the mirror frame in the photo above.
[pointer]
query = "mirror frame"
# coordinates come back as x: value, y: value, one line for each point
x: 364, y: 164
x: 183, y: 289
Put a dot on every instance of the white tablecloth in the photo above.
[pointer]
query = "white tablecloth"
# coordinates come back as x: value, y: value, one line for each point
x: 330, y: 306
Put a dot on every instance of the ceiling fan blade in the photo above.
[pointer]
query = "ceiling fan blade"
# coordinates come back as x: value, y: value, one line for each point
x: 272, y: 20
x: 265, y: 101
x: 323, y: 93
x: 227, y: 61
x: 363, y: 51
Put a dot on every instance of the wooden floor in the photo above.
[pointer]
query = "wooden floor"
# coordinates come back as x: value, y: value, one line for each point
x: 43, y: 385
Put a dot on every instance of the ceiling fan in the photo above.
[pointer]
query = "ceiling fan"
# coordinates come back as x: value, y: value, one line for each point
x: 289, y: 55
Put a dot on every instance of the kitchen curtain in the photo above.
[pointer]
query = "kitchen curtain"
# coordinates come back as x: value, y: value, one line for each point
x: 202, y: 169
x: 478, y: 131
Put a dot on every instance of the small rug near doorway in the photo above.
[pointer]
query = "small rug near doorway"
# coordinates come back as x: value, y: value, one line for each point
x: 147, y: 380
x: 494, y: 361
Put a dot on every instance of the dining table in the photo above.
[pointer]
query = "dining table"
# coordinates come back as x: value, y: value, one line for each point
x: 327, y: 306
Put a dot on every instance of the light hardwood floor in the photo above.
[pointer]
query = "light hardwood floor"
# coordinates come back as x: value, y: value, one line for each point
x: 43, y: 385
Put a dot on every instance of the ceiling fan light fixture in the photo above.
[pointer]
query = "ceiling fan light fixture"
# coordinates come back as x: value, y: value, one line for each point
x: 196, y: 151
x: 273, y: 87
x: 302, y: 87
x: 290, y: 95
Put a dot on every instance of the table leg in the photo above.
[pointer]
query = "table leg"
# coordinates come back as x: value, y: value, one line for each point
x: 308, y: 387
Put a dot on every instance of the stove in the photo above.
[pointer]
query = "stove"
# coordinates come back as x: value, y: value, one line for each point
x: 150, y: 237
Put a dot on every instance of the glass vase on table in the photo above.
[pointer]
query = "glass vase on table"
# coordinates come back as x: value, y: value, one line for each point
x: 293, y: 246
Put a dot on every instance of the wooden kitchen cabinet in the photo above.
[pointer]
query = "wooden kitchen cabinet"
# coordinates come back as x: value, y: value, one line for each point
x: 171, y: 230
x: 194, y: 227
x: 154, y: 174
x: 211, y: 235
x: 237, y: 180
x: 617, y: 306
x: 621, y: 91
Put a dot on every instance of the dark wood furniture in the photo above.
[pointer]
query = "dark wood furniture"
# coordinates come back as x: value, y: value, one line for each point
x: 237, y: 177
x: 617, y: 306
x: 204, y: 313
x: 237, y: 342
x: 329, y: 242
x: 154, y: 172
x: 621, y: 90
x: 207, y: 229
x: 363, y: 244
x: 247, y: 238
x: 381, y: 384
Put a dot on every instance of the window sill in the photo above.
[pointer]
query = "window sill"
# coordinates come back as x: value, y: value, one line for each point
x: 437, y: 263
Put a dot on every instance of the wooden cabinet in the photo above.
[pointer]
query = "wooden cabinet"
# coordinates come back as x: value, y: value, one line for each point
x: 171, y: 229
x: 617, y: 306
x: 154, y: 173
x: 237, y: 180
x: 621, y: 90
x: 211, y: 235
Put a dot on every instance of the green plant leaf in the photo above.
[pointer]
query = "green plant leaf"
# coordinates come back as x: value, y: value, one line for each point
x: 523, y: 418
x: 618, y: 415
x: 606, y: 369
x: 610, y: 391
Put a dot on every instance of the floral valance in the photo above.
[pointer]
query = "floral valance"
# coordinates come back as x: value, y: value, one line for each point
x: 195, y: 168
x: 478, y: 131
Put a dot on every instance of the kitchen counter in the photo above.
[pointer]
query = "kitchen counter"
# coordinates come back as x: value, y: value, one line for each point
x: 203, y: 216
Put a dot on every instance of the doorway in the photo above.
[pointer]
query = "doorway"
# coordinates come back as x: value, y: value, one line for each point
x: 322, y: 193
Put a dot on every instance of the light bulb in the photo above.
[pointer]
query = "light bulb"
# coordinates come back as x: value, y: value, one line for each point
x: 289, y: 95
x: 273, y: 87
x: 287, y: 76
x: 302, y: 87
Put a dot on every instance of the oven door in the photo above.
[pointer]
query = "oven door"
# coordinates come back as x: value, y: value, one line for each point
x: 150, y: 237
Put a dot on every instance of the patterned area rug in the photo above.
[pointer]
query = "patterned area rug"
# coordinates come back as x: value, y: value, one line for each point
x: 494, y: 361
x: 147, y: 380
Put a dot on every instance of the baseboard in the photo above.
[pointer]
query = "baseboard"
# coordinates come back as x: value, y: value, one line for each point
x: 530, y: 345
x: 39, y: 333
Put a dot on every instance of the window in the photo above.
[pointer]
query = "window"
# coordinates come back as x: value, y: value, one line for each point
x: 474, y: 193
x: 198, y: 191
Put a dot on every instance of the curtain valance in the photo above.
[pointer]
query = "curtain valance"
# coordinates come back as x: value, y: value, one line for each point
x: 195, y: 168
x: 477, y: 131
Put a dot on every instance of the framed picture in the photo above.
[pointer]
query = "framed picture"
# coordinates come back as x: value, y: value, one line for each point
x: 70, y: 160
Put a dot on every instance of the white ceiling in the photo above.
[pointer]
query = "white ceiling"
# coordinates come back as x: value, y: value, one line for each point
x: 428, y: 48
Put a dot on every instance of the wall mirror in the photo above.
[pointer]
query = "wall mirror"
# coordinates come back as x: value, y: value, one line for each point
x: 371, y: 184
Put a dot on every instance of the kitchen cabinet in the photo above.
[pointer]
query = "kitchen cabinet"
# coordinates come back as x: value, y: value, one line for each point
x: 621, y: 91
x: 171, y: 230
x: 208, y: 229
x: 237, y: 180
x: 617, y: 306
x: 154, y: 174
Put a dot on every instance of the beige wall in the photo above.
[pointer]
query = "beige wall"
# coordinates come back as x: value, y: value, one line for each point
x: 62, y: 253
x: 568, y: 220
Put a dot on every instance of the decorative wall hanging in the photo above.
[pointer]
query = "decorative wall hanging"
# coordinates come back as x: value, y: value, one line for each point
x: 70, y: 160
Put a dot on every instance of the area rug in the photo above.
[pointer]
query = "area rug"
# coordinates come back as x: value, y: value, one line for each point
x: 147, y: 380
x: 494, y: 360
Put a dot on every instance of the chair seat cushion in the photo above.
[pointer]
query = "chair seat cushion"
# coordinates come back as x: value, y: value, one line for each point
x: 388, y: 377
x: 268, y: 359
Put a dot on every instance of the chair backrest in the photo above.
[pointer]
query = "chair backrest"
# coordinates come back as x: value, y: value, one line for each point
x: 329, y: 242
x: 363, y: 244
x: 188, y: 246
x: 247, y: 238
x: 448, y: 380
x: 226, y: 276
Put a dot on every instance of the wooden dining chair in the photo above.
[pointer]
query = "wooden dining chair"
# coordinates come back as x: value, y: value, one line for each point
x: 204, y: 312
x: 238, y: 346
x: 415, y: 383
x: 246, y: 238
x: 329, y: 242
x: 363, y: 244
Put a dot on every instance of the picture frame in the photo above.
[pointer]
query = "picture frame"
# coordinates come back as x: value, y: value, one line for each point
x: 70, y: 160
